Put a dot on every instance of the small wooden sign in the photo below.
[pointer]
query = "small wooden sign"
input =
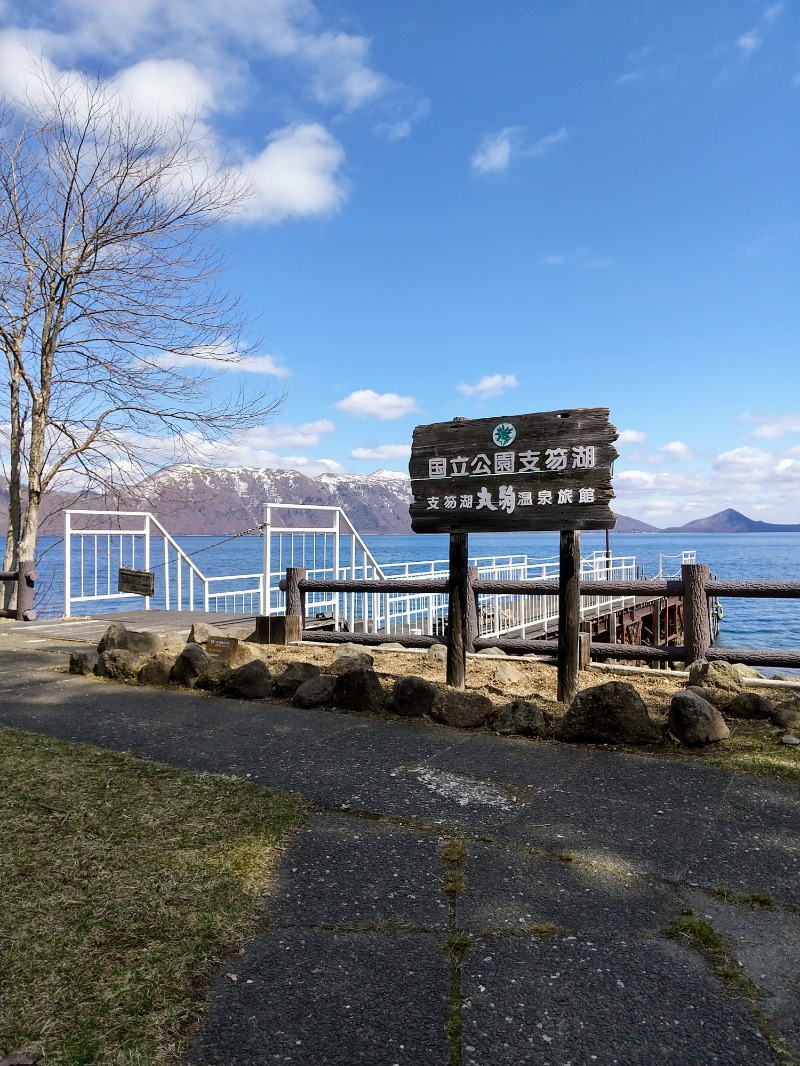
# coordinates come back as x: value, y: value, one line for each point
x: 138, y: 582
x: 221, y: 648
x: 515, y: 473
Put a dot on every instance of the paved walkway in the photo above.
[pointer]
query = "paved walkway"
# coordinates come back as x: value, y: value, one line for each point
x: 460, y: 898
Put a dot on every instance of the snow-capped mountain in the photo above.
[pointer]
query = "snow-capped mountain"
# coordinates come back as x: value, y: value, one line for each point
x: 193, y: 499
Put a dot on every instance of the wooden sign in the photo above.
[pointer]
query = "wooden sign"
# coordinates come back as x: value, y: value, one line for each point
x: 221, y: 648
x: 138, y: 582
x: 516, y: 473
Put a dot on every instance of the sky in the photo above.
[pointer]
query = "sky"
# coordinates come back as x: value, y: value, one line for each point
x: 478, y: 209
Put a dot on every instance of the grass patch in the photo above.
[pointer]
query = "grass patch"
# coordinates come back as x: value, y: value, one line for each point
x: 458, y: 946
x: 754, y: 901
x: 454, y: 851
x: 123, y: 884
x: 453, y: 883
x: 754, y: 747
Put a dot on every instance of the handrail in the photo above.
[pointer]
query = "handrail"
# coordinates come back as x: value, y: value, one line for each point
x: 695, y: 586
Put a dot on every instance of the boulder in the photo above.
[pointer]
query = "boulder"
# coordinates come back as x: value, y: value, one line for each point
x: 522, y: 718
x: 361, y: 661
x: 249, y: 682
x: 787, y: 715
x: 358, y: 689
x: 613, y: 713
x: 722, y: 681
x: 437, y: 653
x: 119, y: 664
x: 746, y: 672
x: 173, y: 644
x: 461, y: 708
x: 295, y: 675
x: 749, y: 705
x: 213, y: 676
x: 411, y: 697
x: 506, y: 674
x: 693, y: 720
x: 391, y: 646
x: 156, y: 669
x: 189, y: 666
x: 83, y: 662
x: 490, y: 651
x: 316, y: 692
x: 117, y: 637
x: 348, y: 651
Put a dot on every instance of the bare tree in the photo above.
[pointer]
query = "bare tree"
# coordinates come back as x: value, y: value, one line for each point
x: 108, y: 301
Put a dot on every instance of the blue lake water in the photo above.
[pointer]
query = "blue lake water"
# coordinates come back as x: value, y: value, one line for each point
x: 746, y: 556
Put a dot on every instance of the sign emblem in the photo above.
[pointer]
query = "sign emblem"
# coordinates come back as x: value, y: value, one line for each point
x: 503, y: 434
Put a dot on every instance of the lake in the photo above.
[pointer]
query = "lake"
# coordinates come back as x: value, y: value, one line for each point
x: 743, y: 556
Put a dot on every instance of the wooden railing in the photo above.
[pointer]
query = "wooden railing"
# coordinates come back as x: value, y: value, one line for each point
x: 695, y: 586
x: 25, y: 580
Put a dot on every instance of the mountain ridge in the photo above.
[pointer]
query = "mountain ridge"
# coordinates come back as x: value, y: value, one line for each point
x: 190, y: 499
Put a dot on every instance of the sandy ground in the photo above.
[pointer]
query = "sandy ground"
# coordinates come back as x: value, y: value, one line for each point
x: 501, y: 678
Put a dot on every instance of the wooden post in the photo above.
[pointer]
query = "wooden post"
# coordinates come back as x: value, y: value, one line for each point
x: 25, y: 591
x: 569, y: 614
x: 696, y: 625
x: 585, y: 646
x: 471, y: 633
x: 458, y: 594
x: 295, y: 604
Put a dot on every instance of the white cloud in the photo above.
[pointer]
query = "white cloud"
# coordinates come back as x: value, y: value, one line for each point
x: 585, y: 258
x: 383, y: 451
x: 775, y: 426
x: 384, y: 406
x: 296, y: 175
x: 221, y: 360
x: 159, y: 86
x: 676, y: 449
x: 631, y: 436
x: 496, y: 151
x: 489, y: 385
x: 284, y: 435
x: 548, y: 143
x: 493, y: 154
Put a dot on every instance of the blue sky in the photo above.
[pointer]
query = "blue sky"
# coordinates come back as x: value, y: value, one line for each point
x: 477, y: 209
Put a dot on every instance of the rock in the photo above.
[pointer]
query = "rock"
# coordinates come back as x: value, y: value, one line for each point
x: 249, y: 682
x: 83, y: 662
x: 345, y: 651
x: 391, y: 646
x: 437, y: 653
x: 119, y: 665
x: 749, y: 705
x: 746, y: 672
x: 188, y: 667
x: 721, y: 680
x: 248, y: 653
x: 411, y: 697
x: 173, y: 644
x: 117, y: 637
x: 523, y: 719
x: 491, y: 651
x: 156, y: 670
x: 295, y: 675
x: 213, y: 676
x: 506, y: 674
x: 787, y: 715
x: 316, y: 692
x: 693, y: 720
x: 461, y: 708
x: 362, y: 661
x: 613, y: 713
x: 358, y: 690
x: 790, y: 738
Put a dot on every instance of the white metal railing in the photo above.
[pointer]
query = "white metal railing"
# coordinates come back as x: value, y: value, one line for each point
x: 98, y: 543
x: 326, y: 544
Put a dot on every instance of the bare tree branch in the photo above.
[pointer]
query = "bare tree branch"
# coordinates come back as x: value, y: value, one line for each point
x: 109, y: 309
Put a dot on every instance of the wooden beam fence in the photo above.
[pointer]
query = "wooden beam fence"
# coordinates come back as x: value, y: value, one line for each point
x: 25, y: 580
x: 695, y: 586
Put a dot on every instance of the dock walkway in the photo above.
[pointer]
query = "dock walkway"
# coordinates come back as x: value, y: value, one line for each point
x: 575, y: 861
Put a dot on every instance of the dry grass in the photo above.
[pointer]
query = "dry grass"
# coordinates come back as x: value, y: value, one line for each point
x: 122, y: 885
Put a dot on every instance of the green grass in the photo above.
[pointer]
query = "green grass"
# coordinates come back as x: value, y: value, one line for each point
x: 123, y: 884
